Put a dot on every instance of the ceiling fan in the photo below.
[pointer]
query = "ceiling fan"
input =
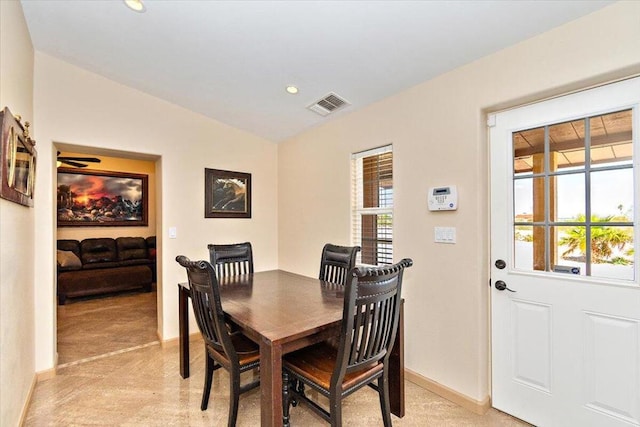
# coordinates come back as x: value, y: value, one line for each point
x: 75, y: 161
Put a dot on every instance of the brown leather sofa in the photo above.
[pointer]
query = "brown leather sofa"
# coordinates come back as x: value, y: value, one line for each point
x: 104, y: 265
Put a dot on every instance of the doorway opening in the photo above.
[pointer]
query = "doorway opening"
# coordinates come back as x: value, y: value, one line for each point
x: 102, y: 323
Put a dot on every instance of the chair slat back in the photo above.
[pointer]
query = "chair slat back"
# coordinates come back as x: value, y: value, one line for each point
x: 207, y: 308
x: 231, y: 260
x: 336, y: 262
x: 370, y: 317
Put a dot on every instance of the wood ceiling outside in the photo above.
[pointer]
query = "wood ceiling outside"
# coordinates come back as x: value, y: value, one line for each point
x: 611, y: 141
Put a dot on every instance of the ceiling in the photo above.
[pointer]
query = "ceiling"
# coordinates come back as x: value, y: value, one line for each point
x: 231, y: 60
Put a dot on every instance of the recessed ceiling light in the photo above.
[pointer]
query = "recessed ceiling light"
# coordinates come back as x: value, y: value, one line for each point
x: 292, y: 89
x: 135, y: 5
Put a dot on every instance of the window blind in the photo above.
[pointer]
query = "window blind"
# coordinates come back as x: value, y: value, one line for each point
x: 372, y: 205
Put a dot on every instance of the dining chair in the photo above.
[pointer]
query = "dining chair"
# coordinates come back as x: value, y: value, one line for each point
x: 230, y: 260
x: 223, y: 348
x: 368, y: 330
x: 336, y: 262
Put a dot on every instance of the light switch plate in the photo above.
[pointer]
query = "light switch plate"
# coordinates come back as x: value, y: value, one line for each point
x: 444, y: 235
x: 173, y: 232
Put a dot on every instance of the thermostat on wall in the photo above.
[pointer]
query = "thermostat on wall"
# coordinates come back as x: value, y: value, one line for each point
x: 443, y: 198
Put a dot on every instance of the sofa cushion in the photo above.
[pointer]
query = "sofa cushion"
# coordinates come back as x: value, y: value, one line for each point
x: 80, y: 283
x: 99, y: 265
x: 143, y: 261
x: 98, y: 250
x: 69, y: 245
x: 67, y: 260
x: 132, y: 248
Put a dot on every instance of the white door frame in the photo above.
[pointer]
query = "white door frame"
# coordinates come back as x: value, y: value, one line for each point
x: 532, y: 372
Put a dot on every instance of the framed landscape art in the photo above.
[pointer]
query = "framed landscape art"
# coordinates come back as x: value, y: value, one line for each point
x: 100, y: 198
x: 227, y: 194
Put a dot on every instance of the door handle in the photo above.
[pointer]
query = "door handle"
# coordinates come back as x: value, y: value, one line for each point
x: 501, y: 286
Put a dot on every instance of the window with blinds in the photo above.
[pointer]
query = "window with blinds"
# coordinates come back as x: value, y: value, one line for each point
x: 372, y: 205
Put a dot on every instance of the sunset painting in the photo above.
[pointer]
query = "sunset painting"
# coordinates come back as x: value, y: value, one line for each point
x: 92, y: 198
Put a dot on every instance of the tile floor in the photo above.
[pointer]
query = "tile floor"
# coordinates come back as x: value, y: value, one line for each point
x: 139, y: 383
x: 93, y: 326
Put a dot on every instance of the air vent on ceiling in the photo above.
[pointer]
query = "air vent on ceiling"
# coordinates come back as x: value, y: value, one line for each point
x: 328, y: 104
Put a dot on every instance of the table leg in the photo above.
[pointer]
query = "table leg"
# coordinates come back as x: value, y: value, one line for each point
x: 270, y: 384
x: 396, y: 369
x: 183, y: 327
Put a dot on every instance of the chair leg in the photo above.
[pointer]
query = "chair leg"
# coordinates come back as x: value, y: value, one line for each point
x: 234, y: 397
x: 383, y: 392
x: 299, y: 387
x: 335, y: 403
x: 208, y: 377
x: 286, y: 398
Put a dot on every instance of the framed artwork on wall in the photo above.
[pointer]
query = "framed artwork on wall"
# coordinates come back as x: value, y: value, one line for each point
x: 17, y: 160
x: 89, y: 198
x: 227, y: 194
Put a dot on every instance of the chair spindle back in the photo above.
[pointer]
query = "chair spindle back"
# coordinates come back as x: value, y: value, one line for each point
x: 336, y: 262
x: 207, y: 308
x: 371, y: 311
x: 231, y: 260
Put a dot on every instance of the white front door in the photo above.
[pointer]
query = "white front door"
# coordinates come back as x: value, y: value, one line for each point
x: 565, y: 296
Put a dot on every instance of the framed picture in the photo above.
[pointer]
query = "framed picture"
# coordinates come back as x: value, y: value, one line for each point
x: 99, y: 198
x: 227, y: 194
x: 17, y: 160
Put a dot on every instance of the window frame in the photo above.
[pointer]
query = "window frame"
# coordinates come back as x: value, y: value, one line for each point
x: 383, y: 243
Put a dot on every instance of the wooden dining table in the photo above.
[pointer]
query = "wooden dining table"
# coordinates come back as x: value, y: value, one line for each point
x: 283, y: 312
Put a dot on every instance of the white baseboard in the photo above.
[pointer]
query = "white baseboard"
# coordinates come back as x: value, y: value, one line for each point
x: 175, y: 341
x: 479, y: 407
x: 27, y: 402
x: 45, y: 375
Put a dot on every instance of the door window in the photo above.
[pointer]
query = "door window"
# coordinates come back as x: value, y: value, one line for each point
x: 573, y: 199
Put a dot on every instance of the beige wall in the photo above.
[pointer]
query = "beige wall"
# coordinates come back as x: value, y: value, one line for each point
x: 439, y: 137
x: 116, y: 164
x: 79, y: 108
x: 17, y: 350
